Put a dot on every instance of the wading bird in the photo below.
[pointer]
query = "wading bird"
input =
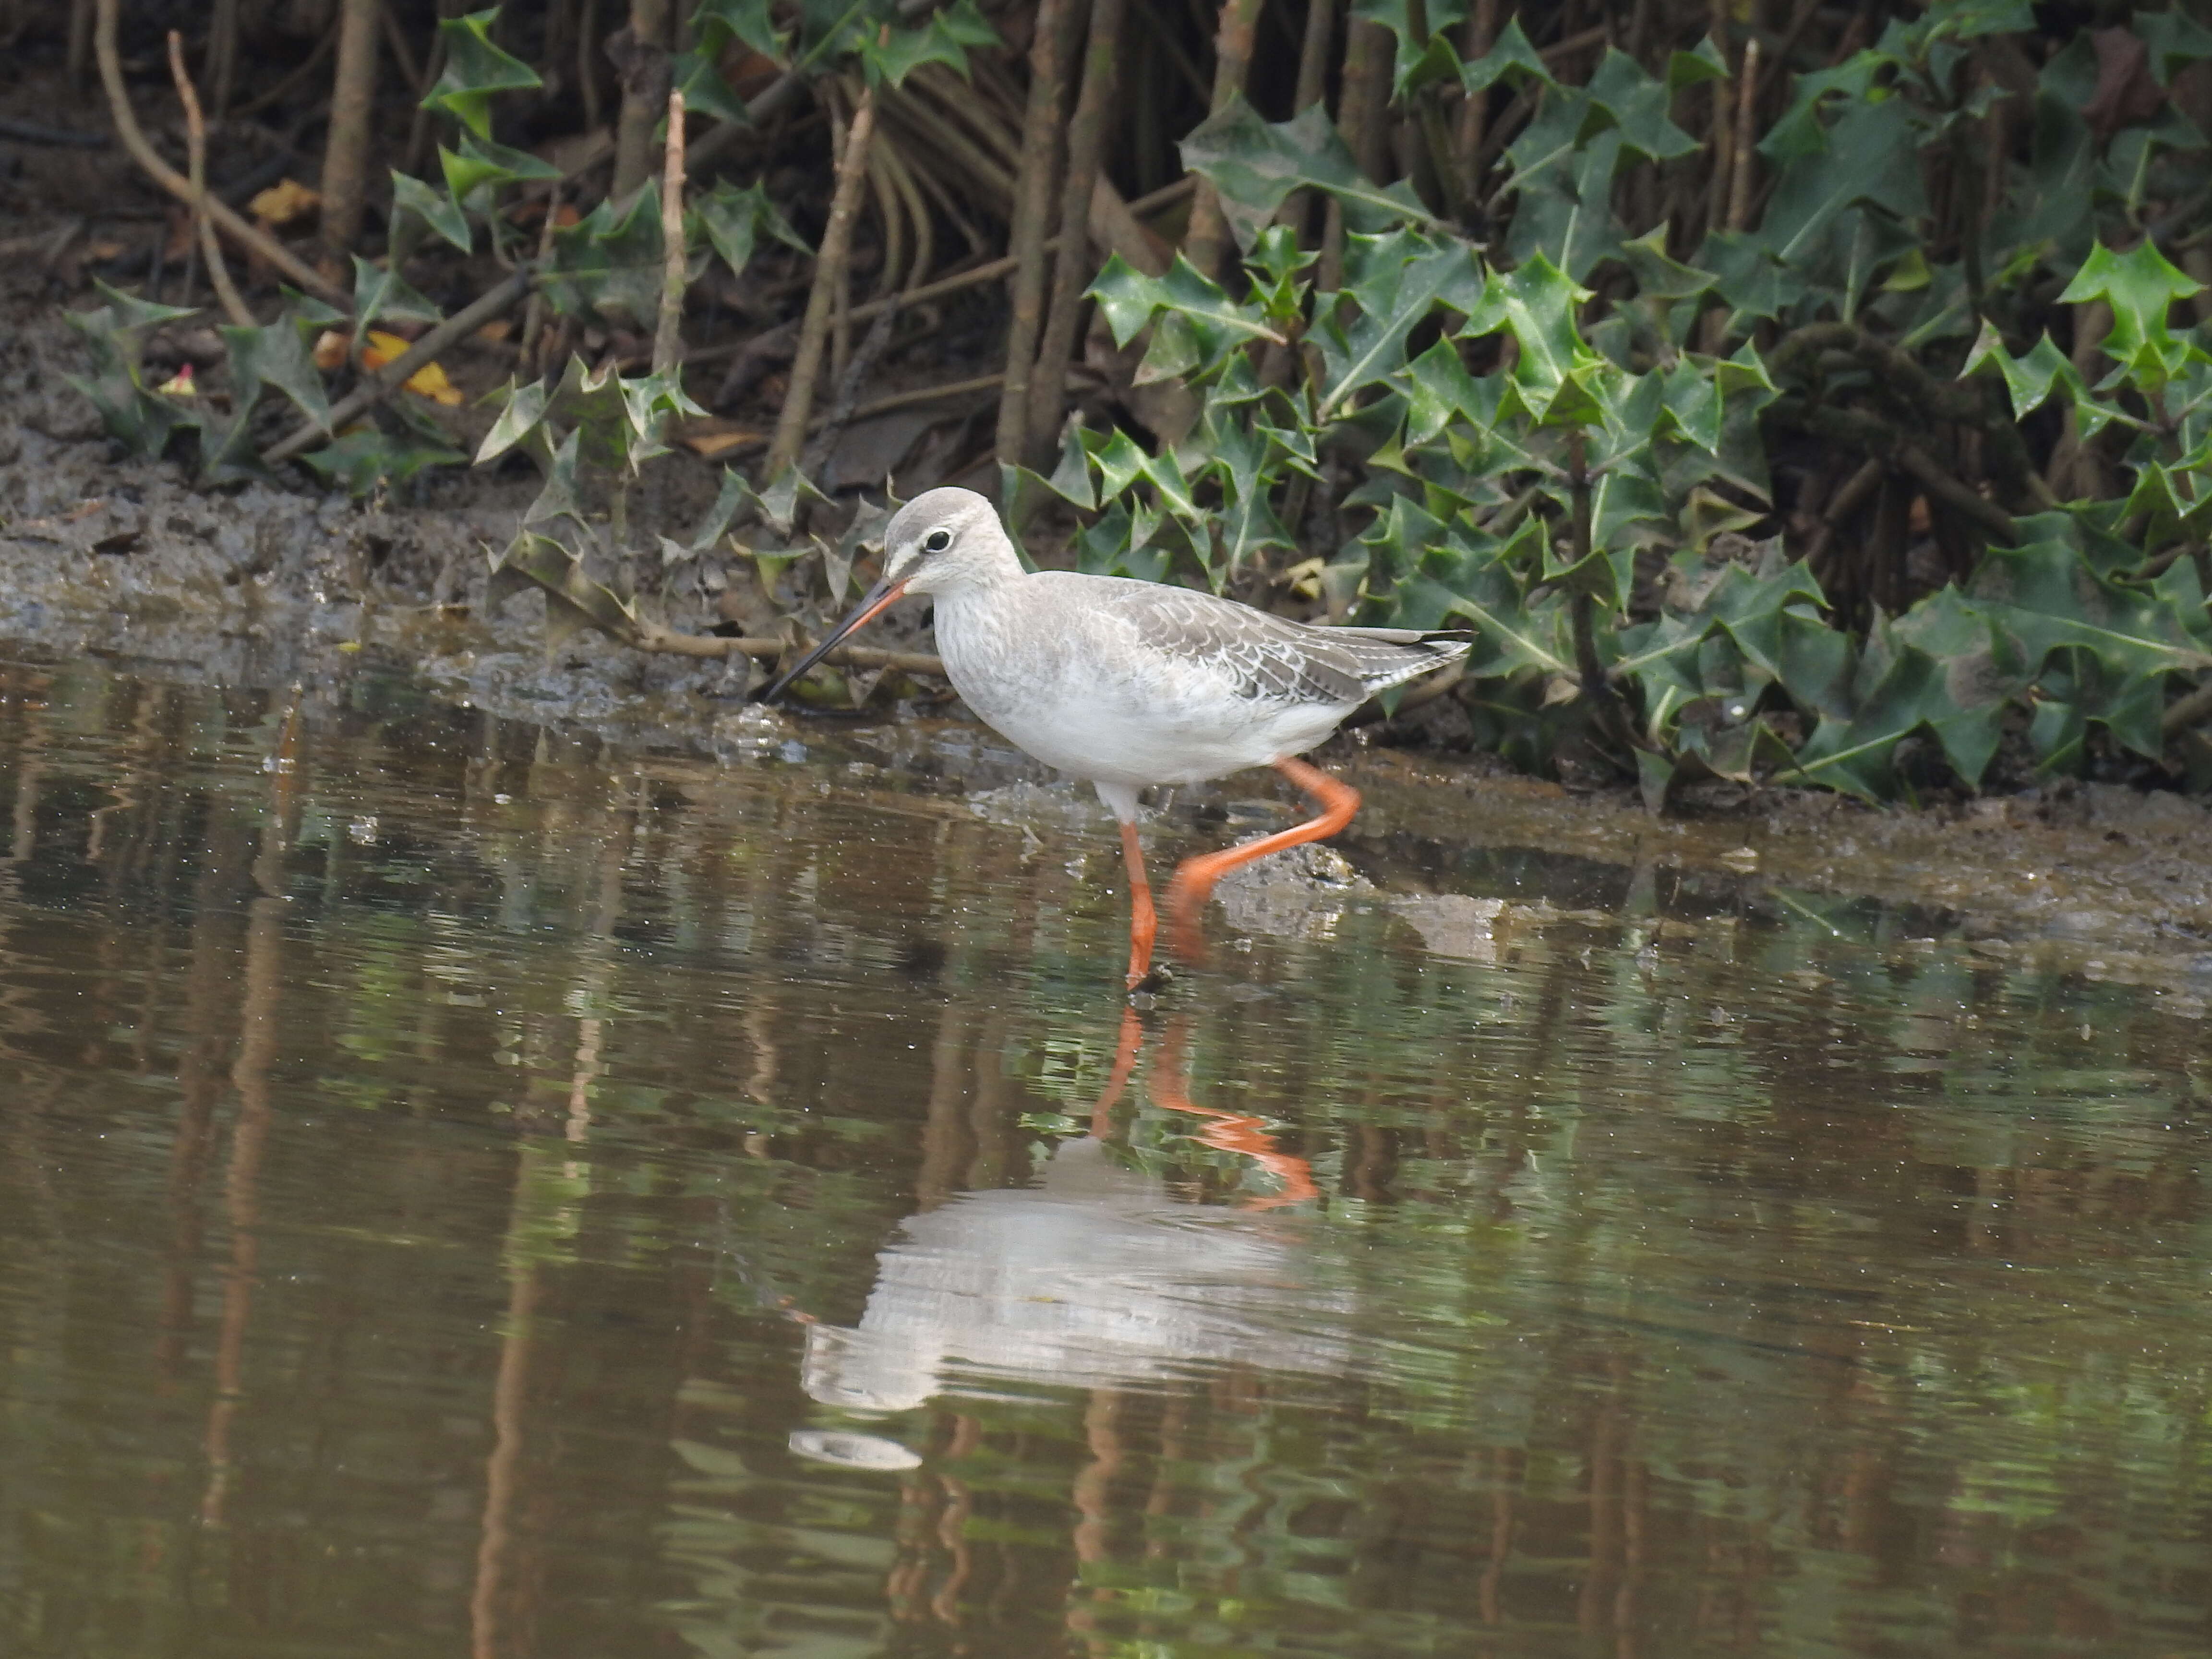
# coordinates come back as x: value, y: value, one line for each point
x: 1129, y: 684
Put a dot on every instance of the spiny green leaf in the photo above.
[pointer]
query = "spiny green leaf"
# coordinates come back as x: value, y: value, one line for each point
x: 745, y: 21
x: 479, y: 164
x: 1399, y: 279
x: 1510, y: 54
x: 1254, y: 167
x: 2139, y: 285
x: 362, y: 458
x: 609, y: 264
x: 1659, y: 277
x: 732, y: 219
x: 132, y: 315
x: 475, y: 69
x: 433, y: 207
x: 1128, y: 298
x: 1638, y: 106
x: 380, y: 291
x: 276, y: 356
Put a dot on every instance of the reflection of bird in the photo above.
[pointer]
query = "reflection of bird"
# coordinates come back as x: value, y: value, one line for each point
x: 1130, y: 683
x: 1094, y: 1278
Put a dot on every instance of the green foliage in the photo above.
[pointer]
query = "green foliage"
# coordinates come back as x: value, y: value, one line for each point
x: 475, y: 70
x: 1558, y: 469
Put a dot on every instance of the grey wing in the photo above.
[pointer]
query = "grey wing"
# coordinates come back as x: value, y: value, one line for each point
x: 1274, y: 659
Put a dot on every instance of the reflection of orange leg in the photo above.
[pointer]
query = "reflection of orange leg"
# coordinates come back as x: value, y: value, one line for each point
x: 1143, y: 921
x: 1125, y: 1061
x: 1194, y: 880
x: 1231, y: 1131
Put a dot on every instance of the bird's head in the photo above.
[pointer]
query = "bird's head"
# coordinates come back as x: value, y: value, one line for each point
x: 940, y: 542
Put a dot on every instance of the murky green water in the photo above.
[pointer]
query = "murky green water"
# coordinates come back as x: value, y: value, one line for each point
x: 464, y: 1191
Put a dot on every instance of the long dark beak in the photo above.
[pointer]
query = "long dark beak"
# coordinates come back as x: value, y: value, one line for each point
x: 879, y: 597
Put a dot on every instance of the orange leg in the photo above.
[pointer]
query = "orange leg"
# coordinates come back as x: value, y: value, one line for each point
x: 1125, y: 1061
x: 1196, y: 878
x: 1143, y: 921
x: 1231, y: 1131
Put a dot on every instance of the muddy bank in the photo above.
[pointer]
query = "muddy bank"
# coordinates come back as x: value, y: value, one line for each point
x: 266, y: 586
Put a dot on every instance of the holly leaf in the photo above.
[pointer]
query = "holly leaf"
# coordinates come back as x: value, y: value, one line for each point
x: 732, y: 220
x: 441, y: 212
x: 2140, y: 286
x: 276, y: 356
x: 475, y: 69
x: 1254, y: 167
x: 1636, y: 105
x: 1510, y: 54
x: 363, y: 457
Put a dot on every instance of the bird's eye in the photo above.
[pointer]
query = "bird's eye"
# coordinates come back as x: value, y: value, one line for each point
x: 937, y: 541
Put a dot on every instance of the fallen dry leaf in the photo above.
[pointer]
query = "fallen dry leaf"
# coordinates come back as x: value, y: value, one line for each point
x: 282, y: 203
x: 429, y: 381
x: 710, y: 438
x: 497, y: 330
x: 106, y: 248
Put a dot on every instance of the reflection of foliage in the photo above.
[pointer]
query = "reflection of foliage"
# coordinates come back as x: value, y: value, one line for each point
x: 1824, y: 1251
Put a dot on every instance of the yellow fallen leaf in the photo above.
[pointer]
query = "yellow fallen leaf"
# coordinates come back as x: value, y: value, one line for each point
x: 429, y: 381
x: 282, y: 203
x: 383, y: 349
x: 708, y: 444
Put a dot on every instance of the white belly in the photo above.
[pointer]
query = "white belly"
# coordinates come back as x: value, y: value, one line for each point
x: 1070, y: 691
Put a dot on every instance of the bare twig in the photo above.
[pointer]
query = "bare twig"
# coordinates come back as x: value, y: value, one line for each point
x: 233, y: 307
x: 668, y: 334
x: 640, y: 52
x: 1207, y: 243
x: 345, y: 150
x: 226, y: 221
x: 1033, y: 187
x: 1746, y: 109
x: 1073, y: 269
x: 533, y: 314
x: 829, y: 267
x: 2187, y: 711
x: 375, y: 388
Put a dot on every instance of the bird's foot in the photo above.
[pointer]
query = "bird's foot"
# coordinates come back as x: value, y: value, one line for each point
x: 1150, y: 985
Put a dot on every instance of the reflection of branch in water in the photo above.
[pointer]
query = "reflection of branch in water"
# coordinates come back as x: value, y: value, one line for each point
x: 489, y: 1600
x: 199, y: 1083
x: 249, y: 1076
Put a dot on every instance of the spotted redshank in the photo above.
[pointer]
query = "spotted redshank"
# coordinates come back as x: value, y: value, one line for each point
x: 1129, y: 684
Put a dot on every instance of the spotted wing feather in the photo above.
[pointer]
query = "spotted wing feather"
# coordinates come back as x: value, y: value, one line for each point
x: 1272, y: 659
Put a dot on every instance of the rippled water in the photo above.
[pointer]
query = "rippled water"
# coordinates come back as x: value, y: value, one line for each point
x: 464, y: 1190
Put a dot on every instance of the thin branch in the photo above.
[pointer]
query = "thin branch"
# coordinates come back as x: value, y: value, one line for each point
x: 196, y: 148
x: 1075, y: 262
x: 1033, y: 188
x: 829, y: 275
x: 668, y: 335
x: 375, y: 388
x: 143, y: 152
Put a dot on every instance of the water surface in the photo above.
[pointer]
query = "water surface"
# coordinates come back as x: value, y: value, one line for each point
x: 464, y: 1189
